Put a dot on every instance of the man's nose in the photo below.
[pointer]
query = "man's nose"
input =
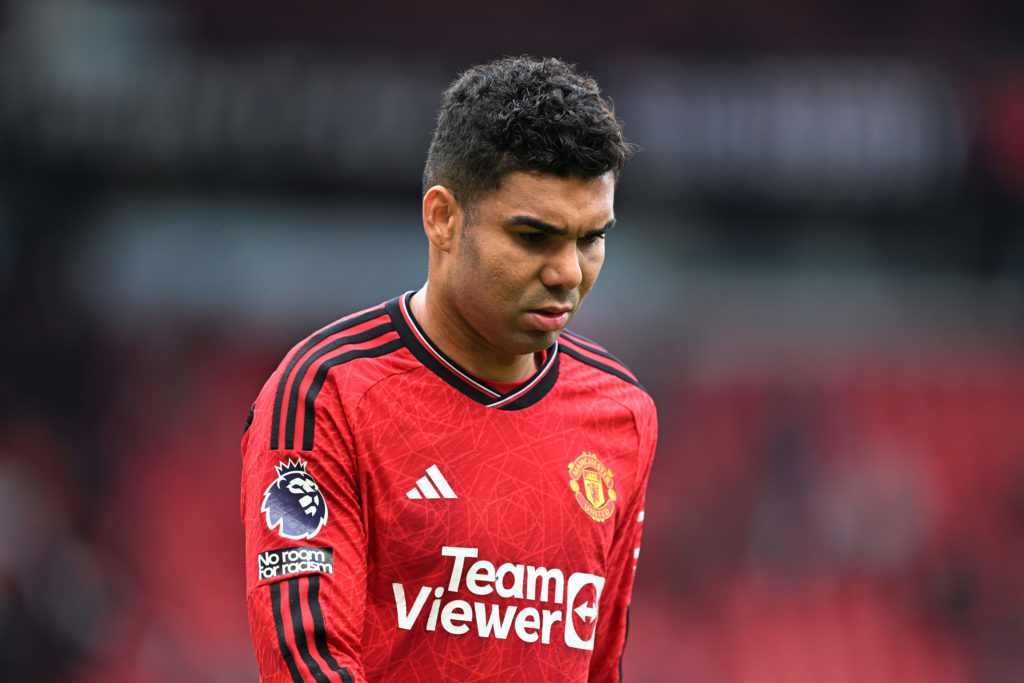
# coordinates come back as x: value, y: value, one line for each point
x: 563, y: 267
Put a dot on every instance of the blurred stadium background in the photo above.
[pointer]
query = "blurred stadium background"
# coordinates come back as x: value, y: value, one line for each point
x: 818, y: 273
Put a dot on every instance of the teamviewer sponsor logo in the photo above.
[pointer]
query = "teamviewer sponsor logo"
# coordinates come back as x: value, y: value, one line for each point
x: 275, y: 564
x: 546, y: 604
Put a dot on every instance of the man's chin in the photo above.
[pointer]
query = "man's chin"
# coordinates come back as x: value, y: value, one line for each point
x: 536, y: 341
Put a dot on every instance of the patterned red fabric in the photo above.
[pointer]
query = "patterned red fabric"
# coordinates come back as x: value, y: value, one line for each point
x: 405, y: 522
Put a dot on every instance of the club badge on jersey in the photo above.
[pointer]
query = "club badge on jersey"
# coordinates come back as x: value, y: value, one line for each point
x: 592, y: 482
x: 293, y: 503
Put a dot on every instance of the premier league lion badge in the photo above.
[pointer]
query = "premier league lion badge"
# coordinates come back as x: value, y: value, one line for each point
x: 293, y: 502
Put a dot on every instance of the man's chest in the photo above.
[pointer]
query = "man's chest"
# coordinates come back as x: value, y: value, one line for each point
x: 540, y: 487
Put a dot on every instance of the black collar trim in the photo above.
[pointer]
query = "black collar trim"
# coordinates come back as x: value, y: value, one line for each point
x: 416, y: 340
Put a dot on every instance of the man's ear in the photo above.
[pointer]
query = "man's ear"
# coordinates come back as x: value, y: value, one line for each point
x: 442, y: 216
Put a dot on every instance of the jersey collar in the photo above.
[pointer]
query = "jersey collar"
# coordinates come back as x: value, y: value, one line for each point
x: 416, y: 340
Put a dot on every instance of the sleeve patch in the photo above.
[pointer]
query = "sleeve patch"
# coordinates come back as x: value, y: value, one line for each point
x: 284, y: 562
x: 293, y: 504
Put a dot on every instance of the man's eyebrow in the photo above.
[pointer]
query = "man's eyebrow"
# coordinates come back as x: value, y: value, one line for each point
x: 550, y: 229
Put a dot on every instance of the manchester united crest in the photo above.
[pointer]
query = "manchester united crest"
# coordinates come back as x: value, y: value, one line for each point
x: 591, y: 481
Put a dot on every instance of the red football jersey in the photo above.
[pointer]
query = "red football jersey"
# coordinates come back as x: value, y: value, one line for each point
x: 406, y: 521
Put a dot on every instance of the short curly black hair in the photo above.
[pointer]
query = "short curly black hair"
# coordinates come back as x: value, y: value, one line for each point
x: 522, y: 114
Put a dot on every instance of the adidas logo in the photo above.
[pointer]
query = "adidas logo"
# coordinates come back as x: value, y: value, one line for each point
x: 425, y: 489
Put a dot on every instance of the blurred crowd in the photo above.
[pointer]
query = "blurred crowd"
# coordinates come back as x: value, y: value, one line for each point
x: 854, y: 521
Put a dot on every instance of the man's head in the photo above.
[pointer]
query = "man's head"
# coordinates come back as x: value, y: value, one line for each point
x: 521, y: 114
x: 518, y: 195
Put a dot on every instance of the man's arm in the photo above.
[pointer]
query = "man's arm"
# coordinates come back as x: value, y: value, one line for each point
x: 613, y: 607
x: 305, y: 556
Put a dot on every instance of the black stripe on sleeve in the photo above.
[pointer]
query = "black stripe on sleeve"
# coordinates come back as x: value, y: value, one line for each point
x: 601, y: 366
x: 293, y: 394
x: 248, y: 420
x: 590, y: 345
x: 318, y: 382
x: 320, y: 631
x: 340, y: 326
x: 625, y: 636
x: 282, y: 642
x: 298, y: 627
x: 596, y: 349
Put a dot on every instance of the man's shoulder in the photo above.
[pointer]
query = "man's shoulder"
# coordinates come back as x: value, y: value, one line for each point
x: 346, y: 356
x: 347, y: 346
x: 597, y: 364
x: 355, y: 327
x: 361, y: 336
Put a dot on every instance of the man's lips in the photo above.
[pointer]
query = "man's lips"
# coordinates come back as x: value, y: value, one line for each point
x: 554, y: 310
x: 550, y: 318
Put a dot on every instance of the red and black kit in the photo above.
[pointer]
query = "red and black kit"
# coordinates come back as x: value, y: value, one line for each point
x: 405, y: 520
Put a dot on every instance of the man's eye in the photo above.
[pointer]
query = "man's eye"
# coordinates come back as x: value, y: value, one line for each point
x: 532, y: 237
x: 593, y: 239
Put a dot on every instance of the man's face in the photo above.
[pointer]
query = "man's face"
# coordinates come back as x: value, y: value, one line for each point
x: 516, y: 276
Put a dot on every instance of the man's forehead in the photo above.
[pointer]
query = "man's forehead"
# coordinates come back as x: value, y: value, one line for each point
x: 529, y: 192
x: 607, y: 178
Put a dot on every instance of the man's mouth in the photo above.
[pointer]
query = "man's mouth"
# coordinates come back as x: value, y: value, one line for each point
x: 550, y: 318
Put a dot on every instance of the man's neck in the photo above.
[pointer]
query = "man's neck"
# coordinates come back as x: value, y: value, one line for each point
x: 459, y: 348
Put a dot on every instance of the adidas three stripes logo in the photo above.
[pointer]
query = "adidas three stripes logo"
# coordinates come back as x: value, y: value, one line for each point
x: 433, y: 485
